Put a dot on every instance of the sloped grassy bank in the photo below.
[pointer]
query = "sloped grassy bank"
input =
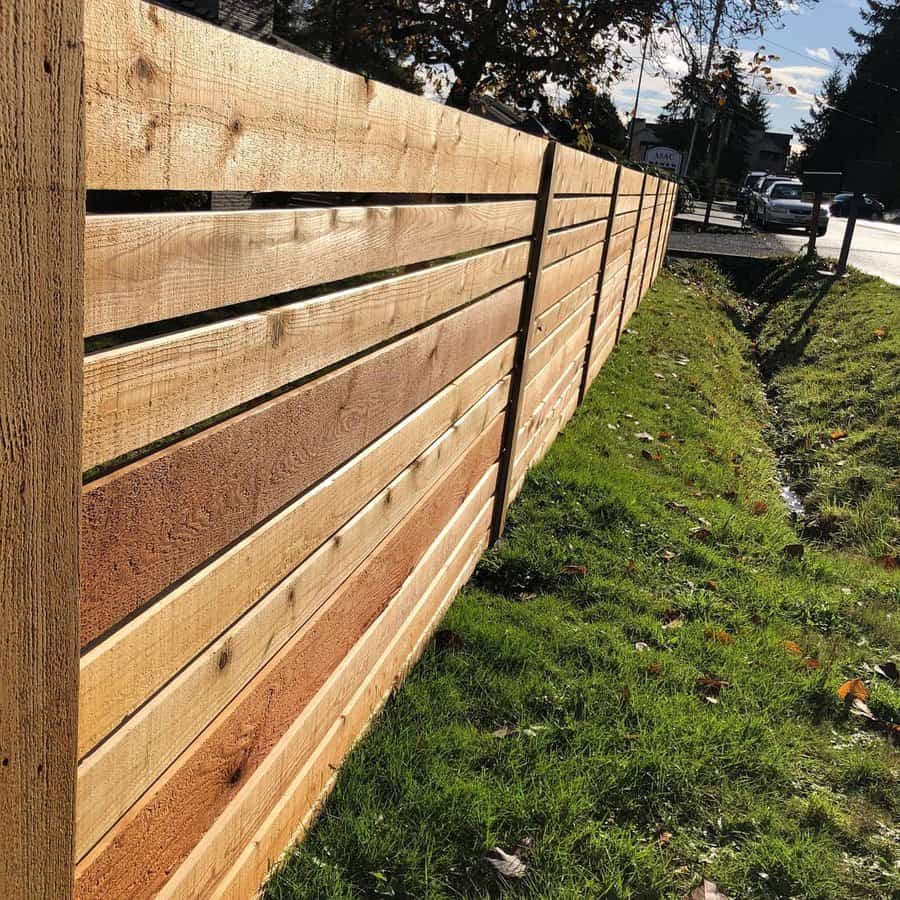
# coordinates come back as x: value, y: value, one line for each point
x: 829, y: 351
x: 641, y: 686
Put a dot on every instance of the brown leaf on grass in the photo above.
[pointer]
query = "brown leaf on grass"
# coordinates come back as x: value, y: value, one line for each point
x: 629, y: 566
x: 860, y: 708
x: 723, y: 637
x: 710, y: 688
x: 709, y: 890
x: 678, y: 507
x: 667, y: 555
x: 502, y: 732
x: 838, y: 434
x: 580, y: 571
x: 644, y: 436
x: 711, y: 452
x: 811, y: 663
x: 674, y: 623
x: 879, y: 333
x: 654, y: 669
x: 664, y: 838
x: 711, y: 584
x: 729, y: 494
x: 665, y: 435
x: 759, y: 507
x: 507, y: 864
x: 854, y: 689
x: 888, y: 562
x: 793, y: 551
x: 701, y: 533
x: 888, y: 670
x: 653, y: 457
x: 791, y: 647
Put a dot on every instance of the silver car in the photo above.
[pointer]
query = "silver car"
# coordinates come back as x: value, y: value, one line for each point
x: 782, y: 204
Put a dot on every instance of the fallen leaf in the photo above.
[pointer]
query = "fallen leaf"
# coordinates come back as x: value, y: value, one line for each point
x: 888, y: 562
x: 446, y: 640
x: 888, y: 670
x: 861, y: 708
x: 723, y: 637
x: 644, y: 436
x: 665, y: 435
x: 791, y: 647
x: 667, y: 554
x: 710, y: 584
x: 759, y: 508
x: 647, y: 454
x: 507, y: 864
x: 503, y: 732
x: 664, y: 838
x: 701, y: 533
x: 641, y: 646
x: 712, y: 452
x: 711, y: 686
x: 678, y: 507
x: 853, y: 688
x: 654, y: 669
x: 626, y: 694
x: 879, y: 333
x: 709, y: 890
x: 793, y: 551
x: 811, y: 663
x: 580, y: 571
x: 729, y: 494
x: 673, y: 623
x: 838, y: 434
x: 629, y: 566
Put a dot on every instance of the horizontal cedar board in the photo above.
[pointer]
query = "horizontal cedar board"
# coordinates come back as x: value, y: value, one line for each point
x: 568, y: 211
x: 282, y: 792
x: 630, y: 181
x: 564, y: 276
x: 118, y: 772
x: 620, y: 245
x: 548, y: 321
x: 120, y: 673
x: 560, y: 244
x: 581, y: 173
x: 624, y: 221
x: 540, y: 355
x: 602, y: 351
x: 143, y: 268
x: 154, y: 521
x: 626, y: 204
x: 158, y: 834
x: 563, y: 411
x: 140, y: 392
x: 173, y: 103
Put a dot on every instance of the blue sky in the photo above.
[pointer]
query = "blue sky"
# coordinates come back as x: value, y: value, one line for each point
x: 805, y: 44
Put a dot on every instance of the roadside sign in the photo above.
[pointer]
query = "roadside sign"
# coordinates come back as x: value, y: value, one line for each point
x: 664, y: 157
x: 822, y: 182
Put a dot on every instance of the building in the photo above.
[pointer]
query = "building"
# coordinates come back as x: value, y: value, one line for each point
x: 767, y: 150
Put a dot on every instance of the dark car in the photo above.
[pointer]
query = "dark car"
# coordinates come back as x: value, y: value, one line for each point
x: 868, y: 209
x: 750, y: 183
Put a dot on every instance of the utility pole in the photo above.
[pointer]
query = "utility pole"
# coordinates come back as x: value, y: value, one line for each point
x: 713, y: 40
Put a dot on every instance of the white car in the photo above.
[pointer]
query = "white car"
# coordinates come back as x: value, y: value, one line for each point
x: 783, y: 204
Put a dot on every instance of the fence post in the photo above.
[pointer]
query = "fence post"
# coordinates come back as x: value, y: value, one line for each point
x: 525, y: 338
x: 589, y: 349
x: 41, y: 349
x: 637, y: 225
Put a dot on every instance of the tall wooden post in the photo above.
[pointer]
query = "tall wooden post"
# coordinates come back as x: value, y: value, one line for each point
x: 41, y: 348
x: 525, y: 340
x: 648, y: 258
x: 589, y: 349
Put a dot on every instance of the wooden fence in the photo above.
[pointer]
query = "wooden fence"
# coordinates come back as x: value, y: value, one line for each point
x: 308, y: 422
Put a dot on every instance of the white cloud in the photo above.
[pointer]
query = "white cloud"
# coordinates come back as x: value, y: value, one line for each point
x: 819, y: 53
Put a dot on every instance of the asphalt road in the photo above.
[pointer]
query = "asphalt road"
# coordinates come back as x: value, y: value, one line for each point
x: 875, y: 248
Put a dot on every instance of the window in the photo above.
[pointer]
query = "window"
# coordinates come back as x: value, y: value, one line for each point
x: 786, y: 192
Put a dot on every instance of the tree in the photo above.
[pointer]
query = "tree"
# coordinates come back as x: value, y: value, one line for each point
x: 588, y: 120
x: 826, y: 104
x: 344, y: 34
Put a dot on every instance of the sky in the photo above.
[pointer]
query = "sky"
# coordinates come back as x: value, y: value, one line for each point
x: 805, y: 43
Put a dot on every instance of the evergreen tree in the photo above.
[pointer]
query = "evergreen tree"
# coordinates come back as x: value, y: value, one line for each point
x: 826, y: 104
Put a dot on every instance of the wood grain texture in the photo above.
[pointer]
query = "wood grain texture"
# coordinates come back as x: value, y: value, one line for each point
x: 212, y: 488
x: 159, y: 832
x: 120, y: 673
x: 137, y: 393
x: 568, y: 241
x: 568, y: 211
x: 548, y: 321
x: 112, y: 777
x: 630, y: 181
x: 176, y: 104
x: 581, y: 173
x: 41, y: 297
x: 285, y: 789
x: 564, y: 276
x: 143, y: 268
x: 556, y: 342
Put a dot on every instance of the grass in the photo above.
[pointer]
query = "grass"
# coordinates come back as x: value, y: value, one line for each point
x: 831, y: 354
x: 568, y: 725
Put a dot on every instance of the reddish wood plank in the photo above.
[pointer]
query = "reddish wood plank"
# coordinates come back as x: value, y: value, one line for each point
x: 149, y: 524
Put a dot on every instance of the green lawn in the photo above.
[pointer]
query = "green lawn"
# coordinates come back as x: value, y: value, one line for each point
x: 572, y: 725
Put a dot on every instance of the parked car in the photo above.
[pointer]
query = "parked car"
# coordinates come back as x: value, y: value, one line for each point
x: 751, y: 180
x: 870, y: 208
x: 783, y: 204
x: 755, y: 203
